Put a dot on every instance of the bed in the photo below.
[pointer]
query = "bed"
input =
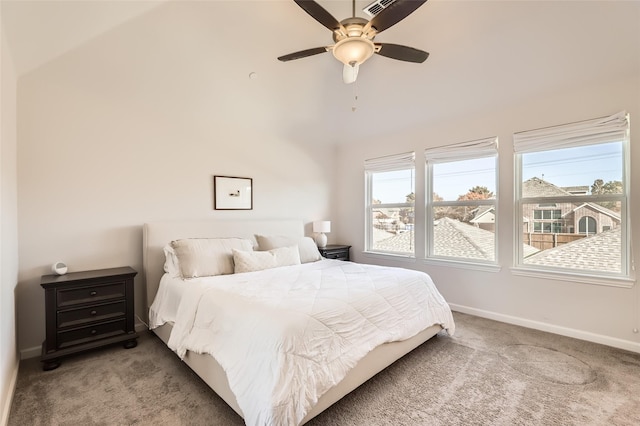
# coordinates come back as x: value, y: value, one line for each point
x: 175, y: 329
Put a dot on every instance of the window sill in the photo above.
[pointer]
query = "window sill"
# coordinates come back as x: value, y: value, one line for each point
x: 434, y: 262
x: 389, y: 256
x: 622, y: 282
x: 484, y: 267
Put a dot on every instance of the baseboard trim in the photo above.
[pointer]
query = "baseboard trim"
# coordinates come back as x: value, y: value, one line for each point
x: 551, y: 328
x: 30, y: 352
x: 6, y: 404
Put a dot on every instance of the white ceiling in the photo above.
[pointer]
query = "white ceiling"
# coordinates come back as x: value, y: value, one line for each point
x: 41, y: 30
x: 483, y: 53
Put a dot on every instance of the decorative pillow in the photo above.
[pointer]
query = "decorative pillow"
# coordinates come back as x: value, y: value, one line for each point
x: 250, y: 261
x: 203, y: 257
x: 306, y: 246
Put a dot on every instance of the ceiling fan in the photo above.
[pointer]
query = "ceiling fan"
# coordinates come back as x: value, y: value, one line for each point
x: 354, y: 36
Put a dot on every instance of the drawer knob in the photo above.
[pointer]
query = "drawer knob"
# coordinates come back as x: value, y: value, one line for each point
x: 93, y: 293
x: 93, y: 332
x: 93, y: 313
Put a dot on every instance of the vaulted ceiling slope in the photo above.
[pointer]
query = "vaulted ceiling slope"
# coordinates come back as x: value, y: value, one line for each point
x: 483, y: 54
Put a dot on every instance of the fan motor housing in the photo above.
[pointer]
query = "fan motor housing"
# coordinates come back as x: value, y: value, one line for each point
x: 354, y: 28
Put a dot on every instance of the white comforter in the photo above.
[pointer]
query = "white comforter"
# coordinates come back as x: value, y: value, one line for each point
x: 284, y: 336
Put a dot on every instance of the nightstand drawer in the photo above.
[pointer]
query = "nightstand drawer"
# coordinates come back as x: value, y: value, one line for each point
x: 335, y: 251
x: 81, y: 316
x: 90, y: 294
x: 86, y: 334
x: 337, y: 254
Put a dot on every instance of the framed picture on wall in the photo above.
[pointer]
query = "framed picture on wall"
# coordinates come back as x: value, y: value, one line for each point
x: 232, y: 193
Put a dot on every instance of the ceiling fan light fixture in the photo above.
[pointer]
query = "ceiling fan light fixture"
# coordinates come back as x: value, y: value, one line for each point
x: 353, y: 50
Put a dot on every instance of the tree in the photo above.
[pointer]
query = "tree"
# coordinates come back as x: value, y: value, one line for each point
x: 406, y: 214
x: 599, y: 187
x: 477, y: 193
x: 466, y: 213
x: 611, y: 187
x: 596, y: 188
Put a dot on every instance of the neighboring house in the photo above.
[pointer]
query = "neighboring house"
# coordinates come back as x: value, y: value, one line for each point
x: 485, y: 218
x: 577, y: 190
x: 548, y: 227
x: 563, y: 218
x: 389, y: 219
x: 569, y: 218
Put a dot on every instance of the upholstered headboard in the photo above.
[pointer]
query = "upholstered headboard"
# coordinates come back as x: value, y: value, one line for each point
x: 156, y: 235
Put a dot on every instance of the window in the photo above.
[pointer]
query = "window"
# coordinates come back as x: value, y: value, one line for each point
x: 390, y: 202
x: 547, y: 221
x: 572, y: 187
x: 461, y: 217
x: 587, y: 225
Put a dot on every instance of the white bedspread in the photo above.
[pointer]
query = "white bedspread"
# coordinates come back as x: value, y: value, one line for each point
x: 284, y: 336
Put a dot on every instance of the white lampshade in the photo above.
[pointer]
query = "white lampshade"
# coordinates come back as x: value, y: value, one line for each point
x: 322, y: 226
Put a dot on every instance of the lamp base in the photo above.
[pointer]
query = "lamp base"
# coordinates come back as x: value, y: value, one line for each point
x: 321, y: 240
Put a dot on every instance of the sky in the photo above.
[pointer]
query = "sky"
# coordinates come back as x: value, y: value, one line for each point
x: 563, y: 167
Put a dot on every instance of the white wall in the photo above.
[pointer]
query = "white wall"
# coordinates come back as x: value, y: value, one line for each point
x: 599, y: 313
x: 8, y: 229
x: 131, y: 128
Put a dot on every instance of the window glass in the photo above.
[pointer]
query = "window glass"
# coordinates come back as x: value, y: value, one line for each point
x: 467, y: 179
x: 392, y: 230
x: 572, y: 208
x: 392, y: 187
x: 390, y: 204
x: 591, y: 169
x: 464, y: 232
x: 461, y: 208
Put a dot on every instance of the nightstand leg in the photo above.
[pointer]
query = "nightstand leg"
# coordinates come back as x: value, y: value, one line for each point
x: 50, y: 365
x: 130, y: 344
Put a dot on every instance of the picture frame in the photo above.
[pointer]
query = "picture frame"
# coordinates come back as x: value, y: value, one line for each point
x: 232, y: 193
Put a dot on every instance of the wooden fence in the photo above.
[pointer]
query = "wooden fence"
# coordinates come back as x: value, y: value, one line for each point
x: 544, y: 241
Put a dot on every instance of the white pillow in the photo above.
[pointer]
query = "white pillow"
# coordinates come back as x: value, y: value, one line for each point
x: 306, y: 246
x: 203, y: 257
x: 250, y: 261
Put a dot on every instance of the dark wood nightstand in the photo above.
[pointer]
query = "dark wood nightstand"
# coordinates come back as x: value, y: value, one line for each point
x: 335, y: 251
x: 86, y: 310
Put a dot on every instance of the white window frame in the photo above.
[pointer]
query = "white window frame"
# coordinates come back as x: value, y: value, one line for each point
x: 476, y: 149
x: 614, y: 128
x: 404, y: 161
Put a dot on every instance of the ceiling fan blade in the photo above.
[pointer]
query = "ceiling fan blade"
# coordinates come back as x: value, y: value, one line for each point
x: 318, y: 13
x: 394, y: 13
x: 303, y: 54
x: 401, y: 53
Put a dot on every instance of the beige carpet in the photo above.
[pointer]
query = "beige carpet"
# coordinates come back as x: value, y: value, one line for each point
x: 489, y: 373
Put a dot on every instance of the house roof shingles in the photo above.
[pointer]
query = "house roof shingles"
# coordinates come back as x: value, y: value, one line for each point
x: 453, y: 238
x: 600, y: 252
x: 536, y: 187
